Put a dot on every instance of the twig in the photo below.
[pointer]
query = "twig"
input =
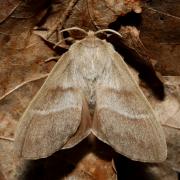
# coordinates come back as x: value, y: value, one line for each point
x: 62, y: 18
x: 52, y: 59
x: 161, y: 12
x: 91, y: 16
x: 22, y: 84
x: 7, y: 138
x: 12, y: 10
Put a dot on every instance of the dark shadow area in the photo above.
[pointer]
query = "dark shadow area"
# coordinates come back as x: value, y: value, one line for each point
x: 36, y: 6
x: 130, y: 19
x: 138, y: 60
x: 147, y: 73
x: 40, y: 3
x: 63, y: 162
x: 47, y: 6
x: 128, y: 169
x: 56, y: 166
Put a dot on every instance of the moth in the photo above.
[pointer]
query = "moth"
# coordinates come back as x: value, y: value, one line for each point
x: 90, y: 91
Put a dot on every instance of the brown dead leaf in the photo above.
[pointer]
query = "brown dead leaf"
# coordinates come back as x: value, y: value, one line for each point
x: 103, y: 12
x: 168, y: 7
x: 22, y: 60
x: 131, y: 39
x: 88, y: 14
x: 19, y: 66
x: 167, y: 112
x: 135, y: 54
x: 7, y: 8
x: 12, y: 107
x: 160, y: 33
x: 160, y: 172
x: 22, y: 53
x: 129, y: 170
x: 172, y: 138
x: 93, y: 167
x: 10, y: 167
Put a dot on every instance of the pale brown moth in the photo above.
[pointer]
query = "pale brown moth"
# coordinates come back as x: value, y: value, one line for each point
x: 90, y: 90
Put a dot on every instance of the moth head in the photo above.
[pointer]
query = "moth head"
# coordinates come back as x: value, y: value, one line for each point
x: 90, y: 35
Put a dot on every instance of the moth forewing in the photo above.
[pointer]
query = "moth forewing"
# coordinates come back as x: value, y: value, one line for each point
x: 124, y: 119
x: 54, y: 115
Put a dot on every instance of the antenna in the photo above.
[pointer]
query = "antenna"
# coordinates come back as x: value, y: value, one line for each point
x: 108, y: 30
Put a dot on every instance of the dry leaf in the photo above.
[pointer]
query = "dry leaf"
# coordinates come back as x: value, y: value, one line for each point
x: 160, y: 172
x: 172, y: 137
x: 9, y: 166
x: 7, y: 8
x: 12, y: 107
x: 160, y: 33
x: 168, y: 112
